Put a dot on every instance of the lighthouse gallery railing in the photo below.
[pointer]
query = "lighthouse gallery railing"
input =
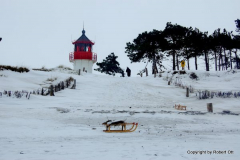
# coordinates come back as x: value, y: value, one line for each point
x: 82, y: 55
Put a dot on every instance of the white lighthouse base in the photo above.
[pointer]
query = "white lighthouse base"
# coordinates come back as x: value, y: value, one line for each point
x: 80, y: 64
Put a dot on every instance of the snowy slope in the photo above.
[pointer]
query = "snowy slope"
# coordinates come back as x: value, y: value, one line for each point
x: 36, y: 128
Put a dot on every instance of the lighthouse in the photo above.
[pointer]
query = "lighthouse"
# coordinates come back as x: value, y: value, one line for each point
x: 82, y: 57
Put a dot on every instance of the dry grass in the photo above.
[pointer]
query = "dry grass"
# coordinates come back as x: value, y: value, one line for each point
x: 15, y: 69
x: 52, y: 79
x: 63, y: 67
x: 42, y: 69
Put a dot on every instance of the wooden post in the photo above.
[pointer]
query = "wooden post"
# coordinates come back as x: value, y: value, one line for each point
x: 51, y: 91
x: 146, y: 72
x: 83, y: 69
x: 56, y: 88
x: 155, y: 72
x: 79, y: 72
x: 29, y: 95
x: 62, y: 85
x: 187, y: 92
x: 59, y: 87
x: 209, y: 107
x: 74, y: 83
x: 208, y: 94
x: 169, y: 82
x: 67, y: 83
x: 9, y: 93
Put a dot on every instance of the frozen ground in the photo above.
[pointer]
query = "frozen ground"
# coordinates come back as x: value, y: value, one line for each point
x: 37, y: 129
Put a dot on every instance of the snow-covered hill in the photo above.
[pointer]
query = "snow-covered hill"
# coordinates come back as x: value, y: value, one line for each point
x: 36, y: 128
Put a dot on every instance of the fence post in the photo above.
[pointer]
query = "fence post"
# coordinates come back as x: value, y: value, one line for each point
x: 146, y: 72
x: 9, y: 93
x: 29, y: 95
x: 55, y: 88
x: 187, y: 92
x: 209, y: 107
x: 79, y: 72
x: 59, y: 87
x: 51, y: 91
x: 62, y: 85
x: 74, y: 83
x: 67, y: 83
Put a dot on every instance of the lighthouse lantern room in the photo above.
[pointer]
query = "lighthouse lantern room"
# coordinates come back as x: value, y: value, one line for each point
x: 83, y: 58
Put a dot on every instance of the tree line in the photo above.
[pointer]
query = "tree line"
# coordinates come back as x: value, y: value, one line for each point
x: 185, y: 43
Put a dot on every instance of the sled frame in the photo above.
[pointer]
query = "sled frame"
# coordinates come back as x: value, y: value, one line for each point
x: 124, y: 128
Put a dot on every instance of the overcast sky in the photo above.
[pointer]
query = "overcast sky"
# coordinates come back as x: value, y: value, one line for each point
x: 39, y: 33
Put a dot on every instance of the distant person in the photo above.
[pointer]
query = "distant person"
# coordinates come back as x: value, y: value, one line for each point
x: 128, y: 72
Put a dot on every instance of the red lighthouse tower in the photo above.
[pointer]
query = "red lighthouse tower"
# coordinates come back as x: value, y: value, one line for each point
x: 83, y: 57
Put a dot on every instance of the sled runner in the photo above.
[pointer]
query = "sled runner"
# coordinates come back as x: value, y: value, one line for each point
x: 123, y: 124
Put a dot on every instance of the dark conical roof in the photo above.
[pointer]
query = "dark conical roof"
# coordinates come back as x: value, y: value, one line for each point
x: 83, y: 39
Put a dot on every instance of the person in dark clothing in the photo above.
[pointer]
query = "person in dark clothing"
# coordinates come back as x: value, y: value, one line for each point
x: 128, y: 72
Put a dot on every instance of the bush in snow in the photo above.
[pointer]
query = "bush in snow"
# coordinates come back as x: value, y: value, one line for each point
x: 193, y: 76
x: 42, y: 69
x: 51, y: 79
x: 63, y: 67
x: 15, y: 69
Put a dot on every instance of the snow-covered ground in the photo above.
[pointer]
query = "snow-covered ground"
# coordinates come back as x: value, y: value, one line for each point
x: 36, y: 128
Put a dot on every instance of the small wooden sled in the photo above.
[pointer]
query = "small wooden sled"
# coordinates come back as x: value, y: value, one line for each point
x: 180, y: 107
x: 120, y: 123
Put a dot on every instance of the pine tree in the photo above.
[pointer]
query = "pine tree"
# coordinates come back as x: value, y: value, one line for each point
x: 174, y: 34
x: 110, y: 65
x: 236, y: 41
x: 147, y: 47
x: 237, y: 25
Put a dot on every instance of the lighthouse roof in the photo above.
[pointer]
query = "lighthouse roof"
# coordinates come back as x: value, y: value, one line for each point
x: 83, y: 39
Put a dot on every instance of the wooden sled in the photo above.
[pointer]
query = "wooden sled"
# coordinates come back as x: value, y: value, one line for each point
x: 120, y: 123
x: 180, y: 107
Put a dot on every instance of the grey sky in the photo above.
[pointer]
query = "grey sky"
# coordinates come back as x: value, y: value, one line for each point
x: 38, y: 33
